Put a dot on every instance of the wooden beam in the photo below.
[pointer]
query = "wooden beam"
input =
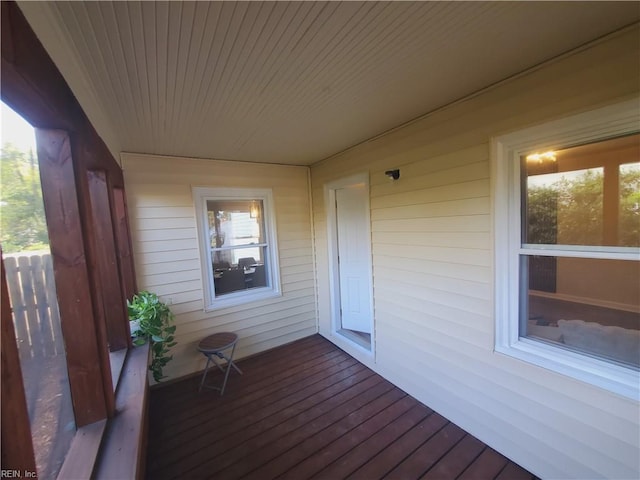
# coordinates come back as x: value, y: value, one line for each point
x: 115, y: 315
x: 83, y: 451
x: 123, y: 242
x: 31, y: 84
x: 85, y: 339
x: 123, y: 453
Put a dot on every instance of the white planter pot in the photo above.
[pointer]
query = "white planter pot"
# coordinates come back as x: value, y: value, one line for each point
x: 134, y: 325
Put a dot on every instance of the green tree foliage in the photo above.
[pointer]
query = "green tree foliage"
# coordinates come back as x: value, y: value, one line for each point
x: 570, y: 211
x: 629, y: 226
x: 580, y: 215
x: 542, y: 218
x: 22, y: 220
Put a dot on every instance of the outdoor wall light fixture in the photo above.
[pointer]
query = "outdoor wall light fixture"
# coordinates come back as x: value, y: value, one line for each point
x: 394, y: 174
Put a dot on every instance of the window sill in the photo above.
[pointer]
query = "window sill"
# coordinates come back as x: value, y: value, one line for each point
x: 242, y: 298
x: 83, y: 452
x: 115, y: 448
x: 617, y: 379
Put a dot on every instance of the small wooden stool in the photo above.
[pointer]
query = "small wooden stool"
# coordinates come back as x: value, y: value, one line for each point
x: 213, y: 346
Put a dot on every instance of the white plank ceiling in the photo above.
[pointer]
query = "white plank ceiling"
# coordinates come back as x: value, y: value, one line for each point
x: 293, y: 82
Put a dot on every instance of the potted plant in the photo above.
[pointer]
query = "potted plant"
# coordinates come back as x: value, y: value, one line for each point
x: 151, y: 319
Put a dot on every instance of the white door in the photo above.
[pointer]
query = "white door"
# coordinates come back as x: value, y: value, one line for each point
x: 354, y: 246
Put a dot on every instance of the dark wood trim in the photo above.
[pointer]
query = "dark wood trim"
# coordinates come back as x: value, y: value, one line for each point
x: 114, y: 311
x: 117, y: 359
x: 123, y: 242
x: 83, y: 453
x: 17, y: 447
x: 123, y: 453
x: 80, y: 215
x: 116, y: 447
x: 31, y: 84
x: 85, y: 357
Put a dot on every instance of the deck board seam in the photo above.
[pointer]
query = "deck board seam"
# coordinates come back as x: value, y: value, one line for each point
x: 346, y: 387
x: 246, y: 394
x: 309, y: 410
x: 281, y: 399
x: 389, y: 388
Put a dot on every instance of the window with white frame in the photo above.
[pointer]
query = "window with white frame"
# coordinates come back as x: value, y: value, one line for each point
x: 238, y: 251
x: 567, y: 217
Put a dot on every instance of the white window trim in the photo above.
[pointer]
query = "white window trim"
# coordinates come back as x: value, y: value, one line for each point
x: 610, y: 121
x: 200, y: 197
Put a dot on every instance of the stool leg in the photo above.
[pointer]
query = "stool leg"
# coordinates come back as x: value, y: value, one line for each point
x: 233, y: 364
x: 229, y: 365
x: 204, y: 375
x: 213, y: 359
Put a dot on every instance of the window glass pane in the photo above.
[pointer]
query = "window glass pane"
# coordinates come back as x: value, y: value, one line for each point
x: 32, y: 292
x: 235, y: 226
x: 241, y: 269
x: 583, y: 195
x: 629, y: 220
x: 587, y: 305
x: 565, y: 208
x: 235, y: 222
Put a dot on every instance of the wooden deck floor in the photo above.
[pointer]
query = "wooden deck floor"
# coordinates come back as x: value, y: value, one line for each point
x: 309, y: 410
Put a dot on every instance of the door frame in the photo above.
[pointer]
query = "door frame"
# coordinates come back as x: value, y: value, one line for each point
x: 332, y: 254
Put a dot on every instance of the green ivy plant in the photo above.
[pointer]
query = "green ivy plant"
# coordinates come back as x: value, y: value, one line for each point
x: 154, y: 321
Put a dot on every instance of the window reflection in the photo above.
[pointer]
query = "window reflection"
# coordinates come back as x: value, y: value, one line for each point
x: 582, y: 198
x: 238, y: 244
x: 594, y: 308
x: 585, y: 195
x: 629, y: 212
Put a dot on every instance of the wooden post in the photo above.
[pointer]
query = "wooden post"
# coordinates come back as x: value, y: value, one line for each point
x: 115, y: 313
x: 123, y: 242
x: 87, y: 355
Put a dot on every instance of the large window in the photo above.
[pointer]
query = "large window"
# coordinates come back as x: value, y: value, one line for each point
x: 237, y: 245
x: 567, y: 211
x: 32, y: 290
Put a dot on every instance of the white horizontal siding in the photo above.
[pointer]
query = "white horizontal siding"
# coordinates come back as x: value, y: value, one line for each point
x: 561, y: 440
x: 472, y: 273
x: 432, y: 245
x: 167, y: 256
x: 459, y: 223
x: 470, y: 240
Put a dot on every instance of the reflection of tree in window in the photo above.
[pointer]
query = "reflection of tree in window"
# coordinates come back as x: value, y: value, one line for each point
x: 566, y: 208
x: 585, y: 195
x: 629, y: 213
x: 542, y: 215
x: 580, y: 211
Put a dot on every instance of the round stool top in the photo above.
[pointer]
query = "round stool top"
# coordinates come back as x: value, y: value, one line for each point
x: 217, y: 342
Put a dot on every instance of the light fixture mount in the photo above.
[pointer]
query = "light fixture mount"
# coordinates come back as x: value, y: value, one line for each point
x: 394, y: 174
